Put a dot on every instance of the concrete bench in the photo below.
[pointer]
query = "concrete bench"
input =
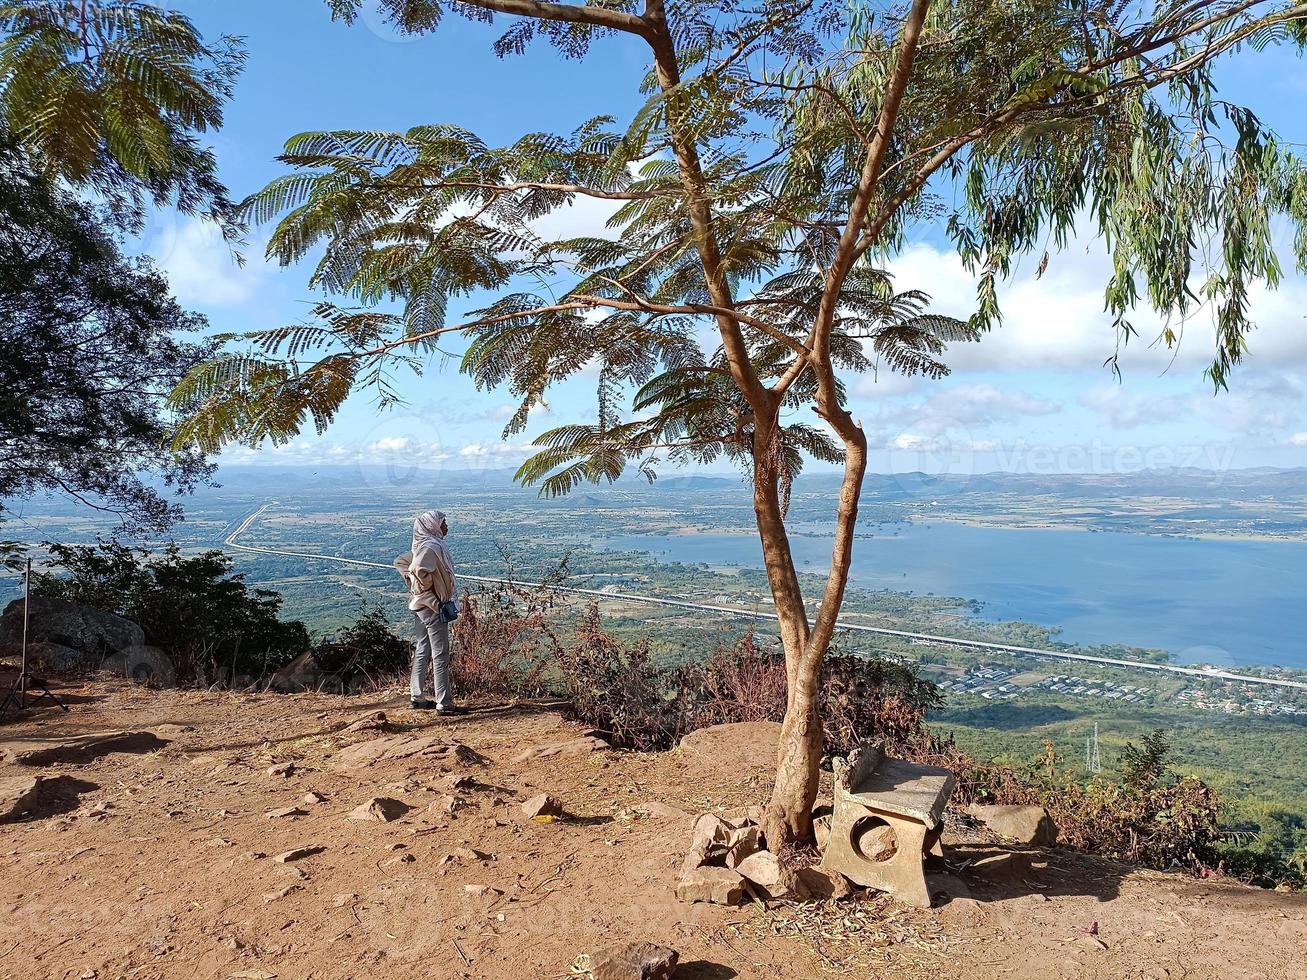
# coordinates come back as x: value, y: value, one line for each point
x: 888, y: 815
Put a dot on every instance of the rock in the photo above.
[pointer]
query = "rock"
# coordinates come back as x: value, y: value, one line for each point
x: 283, y: 769
x: 78, y: 748
x: 630, y: 961
x: 821, y: 831
x: 373, y: 721
x: 1092, y: 942
x: 720, y: 886
x: 416, y: 748
x: 380, y: 809
x: 765, y: 870
x: 89, y: 631
x: 743, y: 843
x: 711, y: 840
x: 1023, y: 824
x: 465, y: 855
x: 402, y: 859
x: 18, y: 796
x: 543, y: 805
x: 819, y: 883
x: 744, y: 745
x: 584, y: 745
x: 312, y: 798
x: 877, y: 842
x: 298, y: 853
x: 142, y: 664
x: 456, y: 782
x: 55, y: 657
x: 482, y: 891
x: 447, y: 805
x: 286, y: 811
x: 341, y: 899
x: 301, y: 674
x: 271, y: 897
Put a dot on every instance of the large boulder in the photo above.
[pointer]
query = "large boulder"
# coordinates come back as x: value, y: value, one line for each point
x: 68, y: 626
x: 630, y: 961
x: 142, y: 664
x: 1023, y: 824
x: 303, y: 674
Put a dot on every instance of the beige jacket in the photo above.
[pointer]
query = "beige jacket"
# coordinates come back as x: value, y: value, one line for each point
x: 429, y: 576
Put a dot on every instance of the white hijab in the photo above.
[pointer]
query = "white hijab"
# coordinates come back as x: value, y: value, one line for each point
x: 427, y: 533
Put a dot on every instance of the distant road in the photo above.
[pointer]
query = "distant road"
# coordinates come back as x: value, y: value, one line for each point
x: 1206, y: 673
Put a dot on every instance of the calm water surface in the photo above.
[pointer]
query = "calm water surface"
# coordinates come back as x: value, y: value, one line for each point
x: 1227, y: 602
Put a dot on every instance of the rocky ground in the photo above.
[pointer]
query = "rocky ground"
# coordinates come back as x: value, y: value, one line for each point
x: 261, y: 836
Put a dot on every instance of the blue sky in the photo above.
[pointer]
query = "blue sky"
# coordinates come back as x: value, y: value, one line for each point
x: 1032, y: 396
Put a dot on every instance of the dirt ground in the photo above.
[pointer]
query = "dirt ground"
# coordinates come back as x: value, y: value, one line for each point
x: 162, y: 863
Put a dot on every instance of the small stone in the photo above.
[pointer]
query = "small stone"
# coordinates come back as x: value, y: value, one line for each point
x: 402, y: 859
x: 342, y: 899
x: 297, y: 853
x: 283, y: 769
x: 543, y: 805
x: 466, y: 855
x: 379, y: 809
x: 630, y: 961
x: 1092, y: 942
x: 290, y: 889
x: 720, y: 886
x: 447, y: 805
x: 482, y: 891
x: 310, y: 798
x: 287, y: 811
x: 765, y: 870
x: 455, y: 782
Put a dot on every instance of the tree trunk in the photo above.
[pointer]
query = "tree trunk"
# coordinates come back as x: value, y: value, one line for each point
x: 789, y: 812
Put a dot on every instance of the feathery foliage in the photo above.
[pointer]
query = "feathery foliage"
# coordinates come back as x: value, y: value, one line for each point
x: 113, y: 95
x: 785, y: 150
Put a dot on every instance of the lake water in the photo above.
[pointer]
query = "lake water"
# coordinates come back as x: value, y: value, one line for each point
x: 1206, y: 601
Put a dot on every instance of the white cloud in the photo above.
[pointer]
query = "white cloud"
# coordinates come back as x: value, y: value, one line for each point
x: 1298, y: 439
x: 200, y: 266
x: 1058, y: 321
x: 1123, y: 409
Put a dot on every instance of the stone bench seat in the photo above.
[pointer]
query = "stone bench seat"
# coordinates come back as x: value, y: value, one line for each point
x: 888, y: 815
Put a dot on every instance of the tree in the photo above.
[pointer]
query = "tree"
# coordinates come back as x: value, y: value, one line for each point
x: 112, y: 95
x: 94, y: 342
x: 785, y: 150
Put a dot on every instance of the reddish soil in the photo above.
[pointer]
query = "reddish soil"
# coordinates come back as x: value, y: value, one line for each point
x: 161, y: 864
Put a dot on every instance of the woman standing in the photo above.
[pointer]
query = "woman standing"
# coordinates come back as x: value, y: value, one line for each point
x: 428, y: 571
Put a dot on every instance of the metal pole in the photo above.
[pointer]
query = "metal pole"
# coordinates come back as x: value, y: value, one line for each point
x: 27, y: 601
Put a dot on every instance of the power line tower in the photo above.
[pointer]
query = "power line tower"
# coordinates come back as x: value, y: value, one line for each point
x: 1093, y: 761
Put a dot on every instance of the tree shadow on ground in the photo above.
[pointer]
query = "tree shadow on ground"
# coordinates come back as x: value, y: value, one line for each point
x: 994, y: 873
x: 56, y: 795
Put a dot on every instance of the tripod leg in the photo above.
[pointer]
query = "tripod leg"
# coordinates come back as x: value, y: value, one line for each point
x: 47, y: 693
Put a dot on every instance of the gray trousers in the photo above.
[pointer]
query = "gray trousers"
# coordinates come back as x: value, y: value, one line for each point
x: 432, y: 651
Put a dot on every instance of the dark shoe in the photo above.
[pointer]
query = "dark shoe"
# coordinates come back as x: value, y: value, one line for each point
x: 453, y: 709
x: 421, y: 704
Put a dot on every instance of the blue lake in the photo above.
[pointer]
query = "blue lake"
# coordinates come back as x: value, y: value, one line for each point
x: 1206, y: 601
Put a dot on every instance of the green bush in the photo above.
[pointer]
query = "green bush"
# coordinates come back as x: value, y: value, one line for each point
x: 193, y: 607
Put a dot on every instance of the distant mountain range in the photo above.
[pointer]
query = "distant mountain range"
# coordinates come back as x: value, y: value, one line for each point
x: 1175, y: 482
